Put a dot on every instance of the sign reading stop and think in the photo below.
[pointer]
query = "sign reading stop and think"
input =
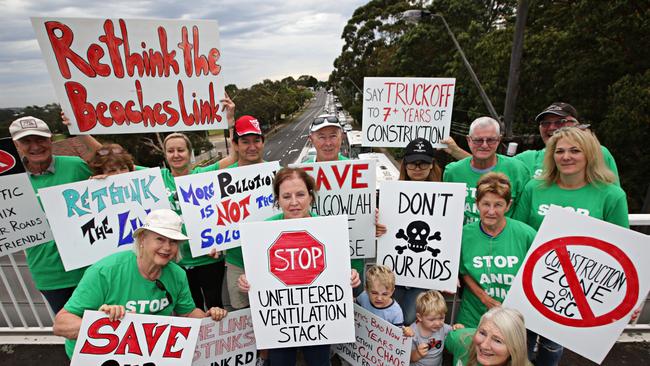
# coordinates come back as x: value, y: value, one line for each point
x: 296, y: 258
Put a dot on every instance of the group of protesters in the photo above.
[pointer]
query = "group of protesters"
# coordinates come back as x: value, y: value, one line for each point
x: 507, y: 199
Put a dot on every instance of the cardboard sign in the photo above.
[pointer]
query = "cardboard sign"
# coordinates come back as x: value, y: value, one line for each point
x: 230, y: 341
x: 137, y: 339
x: 299, y: 273
x: 95, y: 218
x: 396, y: 111
x: 581, y: 280
x: 377, y: 342
x: 22, y: 221
x: 425, y: 223
x: 134, y: 76
x: 347, y: 187
x: 214, y: 203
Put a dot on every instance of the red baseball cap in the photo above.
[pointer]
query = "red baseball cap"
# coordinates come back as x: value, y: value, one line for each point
x: 247, y: 125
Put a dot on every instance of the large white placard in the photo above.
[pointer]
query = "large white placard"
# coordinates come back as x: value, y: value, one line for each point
x: 134, y: 75
x: 214, y: 203
x: 425, y: 223
x: 95, y: 218
x: 581, y: 280
x: 399, y: 110
x: 230, y: 341
x: 22, y: 221
x: 137, y: 339
x: 377, y: 342
x: 299, y: 273
x: 347, y: 187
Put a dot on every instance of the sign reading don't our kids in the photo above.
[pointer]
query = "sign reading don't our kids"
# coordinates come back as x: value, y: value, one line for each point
x: 581, y: 280
x: 396, y: 111
x: 134, y: 75
x: 299, y: 275
x: 22, y: 221
x: 424, y: 222
x: 95, y: 218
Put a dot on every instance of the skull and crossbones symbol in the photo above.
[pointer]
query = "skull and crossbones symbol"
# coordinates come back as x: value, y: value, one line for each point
x: 417, y: 236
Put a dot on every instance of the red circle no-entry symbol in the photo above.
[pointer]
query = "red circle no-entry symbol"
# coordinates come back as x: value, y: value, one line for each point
x: 296, y: 258
x: 7, y: 161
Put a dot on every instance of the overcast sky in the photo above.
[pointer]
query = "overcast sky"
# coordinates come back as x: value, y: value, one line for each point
x: 260, y: 39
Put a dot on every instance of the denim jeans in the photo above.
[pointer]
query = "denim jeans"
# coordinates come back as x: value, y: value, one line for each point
x: 314, y: 355
x: 549, y: 353
x: 405, y: 297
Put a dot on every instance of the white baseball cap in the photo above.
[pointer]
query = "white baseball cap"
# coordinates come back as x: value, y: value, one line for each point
x: 29, y: 125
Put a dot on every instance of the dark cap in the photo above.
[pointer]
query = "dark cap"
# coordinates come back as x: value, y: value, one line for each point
x: 419, y: 150
x: 558, y: 109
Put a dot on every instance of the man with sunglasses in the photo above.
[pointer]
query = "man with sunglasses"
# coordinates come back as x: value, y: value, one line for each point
x: 483, y: 140
x: 326, y: 135
x: 33, y: 140
x: 551, y: 119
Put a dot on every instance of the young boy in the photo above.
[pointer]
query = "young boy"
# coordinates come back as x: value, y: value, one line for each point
x: 430, y: 329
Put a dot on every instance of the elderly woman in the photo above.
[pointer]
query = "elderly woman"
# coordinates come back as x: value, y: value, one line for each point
x: 111, y: 159
x: 294, y: 191
x: 499, y: 340
x: 143, y: 281
x: 492, y: 249
x: 575, y: 176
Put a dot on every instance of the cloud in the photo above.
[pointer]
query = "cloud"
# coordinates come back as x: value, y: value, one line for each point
x: 260, y: 39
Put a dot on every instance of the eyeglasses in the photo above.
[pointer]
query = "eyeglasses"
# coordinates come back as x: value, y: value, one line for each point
x: 162, y: 287
x: 418, y: 164
x: 559, y: 123
x: 491, y: 141
x: 319, y: 120
x: 107, y: 150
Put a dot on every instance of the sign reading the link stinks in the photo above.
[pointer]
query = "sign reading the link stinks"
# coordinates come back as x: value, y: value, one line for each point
x: 425, y: 223
x: 230, y: 341
x: 396, y: 111
x: 581, y: 280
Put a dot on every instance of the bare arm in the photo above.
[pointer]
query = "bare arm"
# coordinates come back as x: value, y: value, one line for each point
x: 419, y: 352
x: 196, y: 313
x: 229, y: 106
x: 476, y: 289
x: 66, y: 324
x: 454, y: 150
x: 88, y: 141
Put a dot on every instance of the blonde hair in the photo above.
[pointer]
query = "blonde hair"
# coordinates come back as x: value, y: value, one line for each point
x: 430, y: 302
x: 137, y: 243
x: 178, y: 135
x: 510, y: 323
x: 381, y: 275
x: 595, y: 172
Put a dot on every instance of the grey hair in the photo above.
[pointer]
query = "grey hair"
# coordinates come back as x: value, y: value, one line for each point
x: 137, y: 243
x: 485, y: 122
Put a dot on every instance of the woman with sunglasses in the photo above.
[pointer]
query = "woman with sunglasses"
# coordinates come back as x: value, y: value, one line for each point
x: 575, y: 177
x: 143, y: 281
x: 111, y: 159
x: 492, y: 250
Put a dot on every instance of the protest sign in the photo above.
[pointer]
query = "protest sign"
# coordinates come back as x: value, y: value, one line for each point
x: 581, y: 280
x: 396, y: 111
x: 347, y: 187
x: 134, y: 75
x: 22, y: 221
x: 137, y: 339
x: 214, y: 203
x: 230, y: 341
x: 95, y: 218
x: 425, y: 223
x: 299, y: 273
x: 377, y: 342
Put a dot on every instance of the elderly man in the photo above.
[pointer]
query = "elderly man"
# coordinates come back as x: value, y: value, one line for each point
x: 33, y: 139
x: 554, y: 117
x: 483, y: 140
x: 326, y: 135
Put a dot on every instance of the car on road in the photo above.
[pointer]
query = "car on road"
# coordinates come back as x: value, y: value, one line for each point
x: 347, y: 128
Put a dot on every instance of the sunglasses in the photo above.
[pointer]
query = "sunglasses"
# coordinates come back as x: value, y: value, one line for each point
x: 320, y: 120
x: 491, y: 141
x: 162, y: 287
x: 107, y: 150
x: 559, y: 123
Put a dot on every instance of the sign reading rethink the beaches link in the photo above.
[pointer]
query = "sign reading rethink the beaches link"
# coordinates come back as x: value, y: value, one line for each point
x: 399, y: 110
x: 134, y: 76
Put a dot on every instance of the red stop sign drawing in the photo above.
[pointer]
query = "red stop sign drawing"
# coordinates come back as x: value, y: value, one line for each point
x: 7, y: 161
x: 296, y: 258
x: 588, y: 318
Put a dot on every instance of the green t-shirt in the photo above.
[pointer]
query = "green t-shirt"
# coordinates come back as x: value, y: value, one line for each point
x: 461, y: 171
x: 458, y: 343
x: 44, y: 260
x: 492, y: 262
x: 606, y: 202
x: 187, y: 260
x: 115, y: 280
x: 534, y: 161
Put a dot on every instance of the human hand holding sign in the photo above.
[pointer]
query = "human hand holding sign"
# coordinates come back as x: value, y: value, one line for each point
x: 216, y: 313
x: 114, y: 312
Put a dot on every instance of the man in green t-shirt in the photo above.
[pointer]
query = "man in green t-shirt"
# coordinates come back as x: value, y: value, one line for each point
x: 483, y: 139
x: 33, y: 140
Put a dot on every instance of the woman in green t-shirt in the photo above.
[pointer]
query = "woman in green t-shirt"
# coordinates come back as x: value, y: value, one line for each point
x: 492, y: 249
x: 499, y: 340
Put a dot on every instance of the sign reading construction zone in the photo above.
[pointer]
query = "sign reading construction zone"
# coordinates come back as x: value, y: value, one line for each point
x: 399, y: 110
x: 134, y: 76
x: 580, y: 282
